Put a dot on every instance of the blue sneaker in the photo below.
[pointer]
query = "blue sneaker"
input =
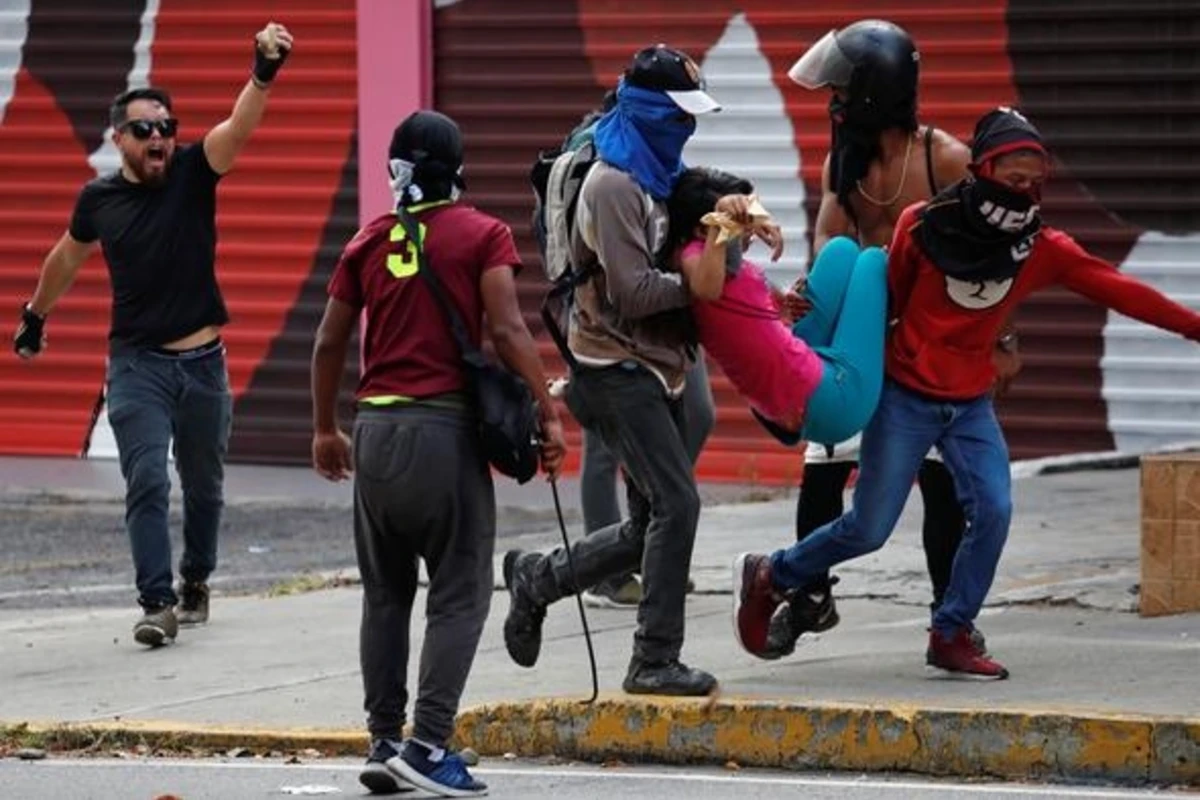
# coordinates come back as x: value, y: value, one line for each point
x: 447, y: 777
x: 375, y: 775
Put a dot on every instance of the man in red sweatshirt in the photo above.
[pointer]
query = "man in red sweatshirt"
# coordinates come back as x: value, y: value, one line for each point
x: 957, y: 267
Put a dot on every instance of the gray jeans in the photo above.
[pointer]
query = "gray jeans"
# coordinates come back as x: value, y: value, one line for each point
x: 153, y: 400
x: 628, y: 408
x: 422, y: 490
x: 598, y: 473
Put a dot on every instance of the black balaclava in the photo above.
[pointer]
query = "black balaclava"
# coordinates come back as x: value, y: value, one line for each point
x: 979, y: 229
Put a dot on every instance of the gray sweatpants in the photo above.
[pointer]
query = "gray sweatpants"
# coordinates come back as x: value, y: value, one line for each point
x: 422, y: 490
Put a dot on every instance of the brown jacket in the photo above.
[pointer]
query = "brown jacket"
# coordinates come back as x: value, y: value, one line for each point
x: 629, y: 309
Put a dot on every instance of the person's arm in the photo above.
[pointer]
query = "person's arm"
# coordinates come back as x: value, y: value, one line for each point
x: 516, y: 348
x: 329, y: 360
x: 224, y: 142
x: 331, y: 453
x: 618, y: 223
x: 59, y: 269
x: 832, y: 219
x: 704, y: 272
x: 1101, y: 282
x: 58, y: 272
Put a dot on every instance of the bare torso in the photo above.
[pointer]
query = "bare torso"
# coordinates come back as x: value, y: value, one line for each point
x: 200, y: 337
x: 901, y: 177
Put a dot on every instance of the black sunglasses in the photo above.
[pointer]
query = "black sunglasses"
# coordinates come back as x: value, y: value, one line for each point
x: 143, y: 129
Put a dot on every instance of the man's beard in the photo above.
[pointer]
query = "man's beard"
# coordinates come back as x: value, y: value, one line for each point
x: 146, y: 176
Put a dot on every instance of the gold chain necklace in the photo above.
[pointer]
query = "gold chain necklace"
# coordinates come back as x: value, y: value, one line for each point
x: 899, y: 189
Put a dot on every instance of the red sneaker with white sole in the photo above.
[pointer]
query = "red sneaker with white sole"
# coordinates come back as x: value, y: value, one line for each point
x: 960, y: 657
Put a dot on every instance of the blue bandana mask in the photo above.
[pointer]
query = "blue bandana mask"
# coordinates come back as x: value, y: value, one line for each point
x: 644, y: 135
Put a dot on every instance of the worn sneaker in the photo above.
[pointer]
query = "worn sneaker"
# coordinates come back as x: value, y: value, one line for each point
x: 754, y: 602
x: 193, y: 604
x: 523, y: 625
x: 667, y: 678
x: 375, y: 774
x: 157, y: 626
x: 959, y: 657
x: 977, y: 637
x: 447, y: 776
x: 810, y: 610
x: 622, y: 593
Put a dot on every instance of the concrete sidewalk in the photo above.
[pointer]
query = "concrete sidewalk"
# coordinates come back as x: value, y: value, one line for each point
x: 1096, y: 692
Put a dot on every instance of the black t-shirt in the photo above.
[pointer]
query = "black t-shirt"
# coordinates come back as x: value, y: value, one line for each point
x: 160, y: 245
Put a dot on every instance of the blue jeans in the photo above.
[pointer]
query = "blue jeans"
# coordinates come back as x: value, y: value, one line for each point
x: 847, y: 288
x: 894, y: 443
x: 151, y: 399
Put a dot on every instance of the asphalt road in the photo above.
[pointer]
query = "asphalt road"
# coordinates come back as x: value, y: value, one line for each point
x: 61, y: 779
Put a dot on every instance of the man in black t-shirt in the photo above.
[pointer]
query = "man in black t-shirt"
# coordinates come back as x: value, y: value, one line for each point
x: 155, y: 221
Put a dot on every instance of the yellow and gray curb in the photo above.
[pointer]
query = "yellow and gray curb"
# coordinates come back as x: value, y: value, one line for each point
x: 971, y: 743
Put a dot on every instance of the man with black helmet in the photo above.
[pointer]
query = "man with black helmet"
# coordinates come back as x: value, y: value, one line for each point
x: 957, y: 267
x: 423, y: 487
x: 881, y: 161
x: 629, y: 334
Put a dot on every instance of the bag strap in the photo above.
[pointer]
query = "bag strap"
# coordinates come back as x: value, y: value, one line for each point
x: 412, y: 230
x: 933, y: 187
x: 565, y: 290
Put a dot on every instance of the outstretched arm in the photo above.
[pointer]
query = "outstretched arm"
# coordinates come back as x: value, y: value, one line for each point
x: 225, y: 141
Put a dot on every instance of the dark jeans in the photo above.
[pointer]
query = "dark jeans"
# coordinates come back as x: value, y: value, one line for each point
x: 629, y: 409
x: 821, y: 502
x: 422, y: 490
x: 151, y: 400
x: 598, y: 474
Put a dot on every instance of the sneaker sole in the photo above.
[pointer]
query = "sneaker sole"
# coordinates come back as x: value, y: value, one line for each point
x: 379, y: 780
x: 151, y: 636
x: 941, y: 673
x: 190, y: 623
x: 602, y: 601
x: 399, y: 767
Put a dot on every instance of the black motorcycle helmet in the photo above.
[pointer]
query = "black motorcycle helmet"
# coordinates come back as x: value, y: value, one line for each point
x: 875, y: 64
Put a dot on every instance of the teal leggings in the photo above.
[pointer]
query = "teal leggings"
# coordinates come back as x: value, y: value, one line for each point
x: 847, y: 288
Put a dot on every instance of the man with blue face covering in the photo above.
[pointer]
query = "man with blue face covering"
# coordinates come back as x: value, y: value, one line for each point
x: 629, y: 332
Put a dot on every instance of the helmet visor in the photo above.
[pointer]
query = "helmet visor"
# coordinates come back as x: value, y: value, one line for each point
x: 823, y: 65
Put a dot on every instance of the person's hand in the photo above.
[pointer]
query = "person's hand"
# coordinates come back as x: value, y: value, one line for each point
x: 736, y: 207
x: 1007, y: 361
x: 553, y: 447
x: 794, y: 307
x: 790, y: 304
x: 272, y: 45
x: 30, y: 338
x: 771, y: 235
x: 332, y: 456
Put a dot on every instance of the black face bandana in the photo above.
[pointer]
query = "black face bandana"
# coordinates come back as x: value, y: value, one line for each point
x: 979, y: 230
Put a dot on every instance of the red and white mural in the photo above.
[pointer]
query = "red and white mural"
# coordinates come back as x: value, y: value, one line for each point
x: 1111, y: 91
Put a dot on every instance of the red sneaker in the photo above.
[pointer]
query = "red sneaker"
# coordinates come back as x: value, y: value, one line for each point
x: 754, y: 601
x: 960, y: 657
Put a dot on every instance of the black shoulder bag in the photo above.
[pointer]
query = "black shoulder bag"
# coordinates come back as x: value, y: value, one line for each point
x: 507, y: 413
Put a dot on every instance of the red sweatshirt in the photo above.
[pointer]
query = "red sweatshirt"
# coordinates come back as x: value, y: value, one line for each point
x: 943, y: 330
